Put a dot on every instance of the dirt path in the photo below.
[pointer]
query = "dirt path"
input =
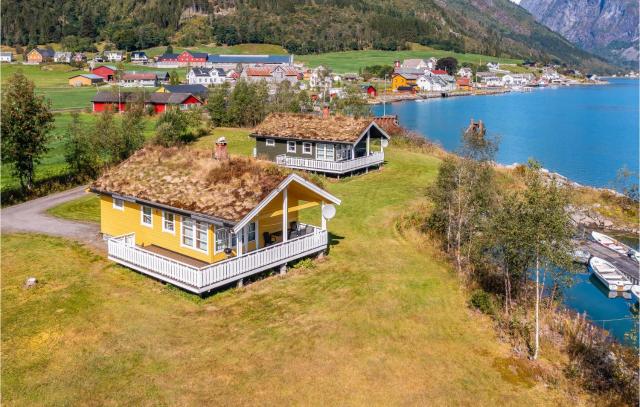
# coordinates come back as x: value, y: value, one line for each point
x: 32, y: 217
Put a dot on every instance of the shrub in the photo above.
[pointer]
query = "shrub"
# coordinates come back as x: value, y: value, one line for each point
x: 482, y: 301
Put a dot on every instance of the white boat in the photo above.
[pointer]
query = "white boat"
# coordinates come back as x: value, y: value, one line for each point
x: 634, y: 254
x: 635, y: 290
x: 609, y: 275
x: 611, y: 243
x: 581, y: 256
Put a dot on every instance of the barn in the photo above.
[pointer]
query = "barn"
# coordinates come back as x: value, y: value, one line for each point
x: 86, y: 79
x: 107, y: 72
x: 118, y: 101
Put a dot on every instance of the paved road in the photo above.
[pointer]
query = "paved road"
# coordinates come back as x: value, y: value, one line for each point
x: 32, y: 217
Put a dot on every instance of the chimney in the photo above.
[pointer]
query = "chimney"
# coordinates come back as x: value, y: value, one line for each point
x: 397, y: 64
x: 220, y: 152
x: 325, y: 112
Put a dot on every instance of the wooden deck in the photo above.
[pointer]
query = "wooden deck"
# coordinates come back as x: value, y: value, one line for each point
x: 624, y: 264
x: 332, y: 167
x: 176, y: 256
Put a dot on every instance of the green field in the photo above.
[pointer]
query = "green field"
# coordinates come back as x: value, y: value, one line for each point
x: 53, y: 163
x: 381, y: 322
x: 213, y: 49
x: 351, y: 61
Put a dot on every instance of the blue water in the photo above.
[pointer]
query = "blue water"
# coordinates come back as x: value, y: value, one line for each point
x: 585, y: 133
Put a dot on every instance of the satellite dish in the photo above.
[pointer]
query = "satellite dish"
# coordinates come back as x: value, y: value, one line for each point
x: 385, y: 143
x: 328, y: 211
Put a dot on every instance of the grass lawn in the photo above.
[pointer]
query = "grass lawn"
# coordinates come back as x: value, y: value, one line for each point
x: 53, y: 163
x: 86, y: 208
x: 351, y: 61
x: 213, y: 49
x: 381, y: 321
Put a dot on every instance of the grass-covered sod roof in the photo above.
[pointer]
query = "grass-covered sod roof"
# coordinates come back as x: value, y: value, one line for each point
x: 192, y: 180
x: 338, y: 128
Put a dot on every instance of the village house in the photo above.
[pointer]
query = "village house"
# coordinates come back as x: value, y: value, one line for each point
x: 320, y: 78
x: 401, y: 80
x: 328, y: 144
x: 114, y: 56
x: 200, y: 91
x: 493, y: 66
x: 39, y: 56
x: 549, y: 74
x: 199, y: 220
x: 206, y: 76
x: 465, y: 72
x: 418, y: 64
x: 231, y: 61
x: 520, y: 79
x: 79, y: 57
x: 159, y: 101
x: 107, y: 72
x: 167, y: 61
x: 6, y: 56
x: 85, y: 79
x: 369, y: 89
x: 188, y: 58
x: 62, y: 57
x: 272, y: 75
x: 138, y: 79
x: 464, y: 83
x: 138, y: 57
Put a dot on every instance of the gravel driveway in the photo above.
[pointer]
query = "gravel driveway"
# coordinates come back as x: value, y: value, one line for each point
x: 32, y: 217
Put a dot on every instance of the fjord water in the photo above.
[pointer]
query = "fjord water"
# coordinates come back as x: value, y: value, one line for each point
x: 585, y: 133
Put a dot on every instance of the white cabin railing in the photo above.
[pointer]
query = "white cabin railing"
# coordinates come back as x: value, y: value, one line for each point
x: 335, y: 167
x: 122, y: 249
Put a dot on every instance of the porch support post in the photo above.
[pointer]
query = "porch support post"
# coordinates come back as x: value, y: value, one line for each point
x: 368, y: 140
x: 324, y: 221
x: 257, y: 234
x: 245, y: 239
x: 239, y: 242
x: 285, y: 215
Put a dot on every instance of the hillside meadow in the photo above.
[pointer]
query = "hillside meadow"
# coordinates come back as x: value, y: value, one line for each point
x: 381, y: 321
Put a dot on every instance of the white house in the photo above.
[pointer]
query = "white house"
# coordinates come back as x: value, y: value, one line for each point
x: 465, y: 72
x: 550, y: 74
x: 515, y: 79
x: 6, y: 56
x: 493, y: 66
x: 320, y: 78
x: 62, y: 57
x: 206, y: 76
x: 139, y: 79
x: 491, y: 81
x: 114, y: 56
x: 436, y: 83
x: 139, y: 57
x: 415, y: 63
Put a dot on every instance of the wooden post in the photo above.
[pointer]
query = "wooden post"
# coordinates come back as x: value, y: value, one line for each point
x: 240, y: 283
x: 257, y: 235
x: 285, y: 215
x: 283, y: 269
x: 240, y: 247
x: 368, y: 139
x: 245, y: 239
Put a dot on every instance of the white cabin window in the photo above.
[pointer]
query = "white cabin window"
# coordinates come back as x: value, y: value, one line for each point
x: 146, y: 216
x: 306, y: 148
x: 324, y: 152
x: 252, y: 232
x: 291, y: 146
x: 118, y: 204
x: 224, y: 239
x: 168, y: 222
x: 195, y: 234
x: 270, y: 142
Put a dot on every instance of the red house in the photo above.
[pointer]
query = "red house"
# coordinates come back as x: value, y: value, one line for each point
x: 370, y: 89
x: 193, y: 58
x: 107, y: 72
x: 439, y: 72
x: 118, y: 101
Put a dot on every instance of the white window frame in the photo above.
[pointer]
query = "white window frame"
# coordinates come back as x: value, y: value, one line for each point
x: 322, y: 152
x: 142, y: 215
x: 304, y: 148
x: 194, y: 224
x: 270, y: 142
x: 173, y: 222
x: 292, y: 146
x: 115, y: 204
x: 227, y: 239
x: 251, y: 225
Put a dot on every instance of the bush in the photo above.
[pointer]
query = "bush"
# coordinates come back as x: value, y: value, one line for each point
x: 482, y: 301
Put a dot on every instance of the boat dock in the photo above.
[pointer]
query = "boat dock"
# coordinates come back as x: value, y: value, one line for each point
x: 624, y: 264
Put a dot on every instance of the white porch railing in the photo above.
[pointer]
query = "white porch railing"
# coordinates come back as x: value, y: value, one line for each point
x: 334, y: 167
x: 122, y: 249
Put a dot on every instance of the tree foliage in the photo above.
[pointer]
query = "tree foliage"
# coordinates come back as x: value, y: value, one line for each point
x: 26, y: 122
x: 176, y: 127
x: 449, y: 64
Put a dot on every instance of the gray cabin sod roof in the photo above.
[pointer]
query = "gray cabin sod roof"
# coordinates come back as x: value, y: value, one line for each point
x: 337, y: 128
x: 192, y: 180
x: 195, y: 89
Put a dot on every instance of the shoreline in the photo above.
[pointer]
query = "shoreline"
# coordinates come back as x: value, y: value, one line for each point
x: 395, y: 98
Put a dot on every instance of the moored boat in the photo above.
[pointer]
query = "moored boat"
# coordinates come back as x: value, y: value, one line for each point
x: 611, y: 243
x: 609, y: 275
x: 581, y: 256
x: 635, y: 290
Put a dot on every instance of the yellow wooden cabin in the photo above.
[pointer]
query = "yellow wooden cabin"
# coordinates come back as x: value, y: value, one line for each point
x: 184, y: 217
x: 403, y: 80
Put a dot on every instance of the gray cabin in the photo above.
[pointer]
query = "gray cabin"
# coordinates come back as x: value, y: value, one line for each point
x: 327, y: 144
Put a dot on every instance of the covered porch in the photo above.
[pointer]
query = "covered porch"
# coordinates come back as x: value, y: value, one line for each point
x: 269, y: 236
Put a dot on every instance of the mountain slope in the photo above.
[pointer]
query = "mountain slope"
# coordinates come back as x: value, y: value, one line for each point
x: 608, y: 28
x: 490, y: 27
